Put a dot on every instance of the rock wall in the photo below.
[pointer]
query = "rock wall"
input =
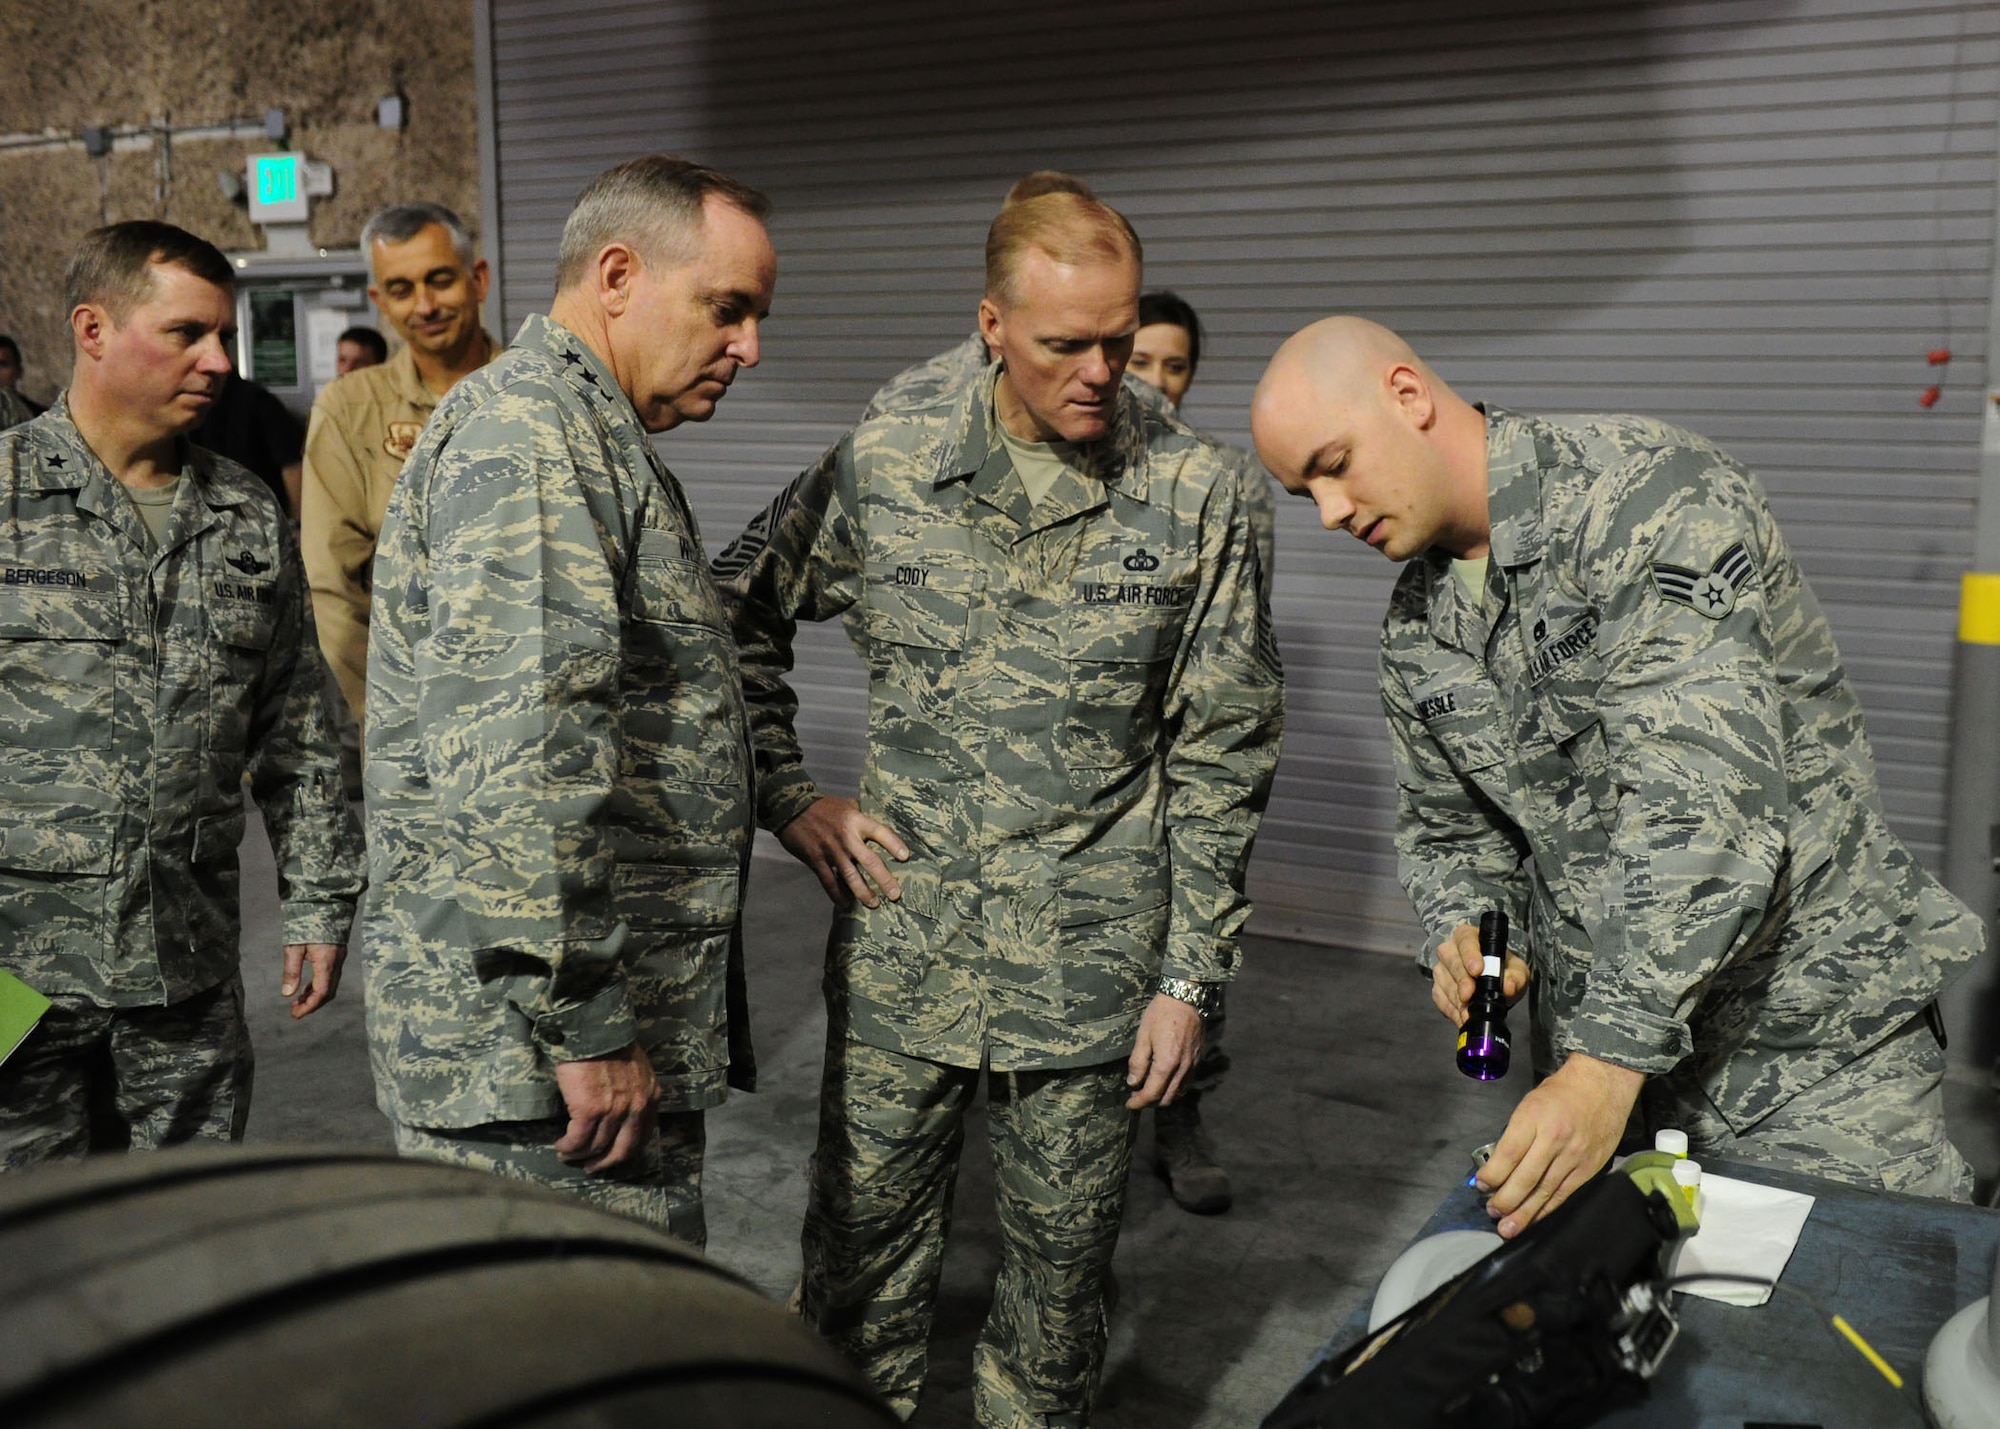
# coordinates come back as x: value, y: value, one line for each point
x: 128, y: 64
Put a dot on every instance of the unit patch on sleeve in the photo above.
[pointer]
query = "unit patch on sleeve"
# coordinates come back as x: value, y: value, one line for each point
x: 1712, y: 593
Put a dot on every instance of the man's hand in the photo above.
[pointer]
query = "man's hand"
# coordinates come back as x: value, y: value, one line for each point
x: 1560, y: 1136
x: 1170, y: 1036
x: 1458, y: 964
x: 614, y: 1107
x: 837, y: 842
x: 326, y: 959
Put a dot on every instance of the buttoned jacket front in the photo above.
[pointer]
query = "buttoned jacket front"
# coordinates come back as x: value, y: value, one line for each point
x: 558, y: 773
x: 1074, y: 713
x: 138, y: 687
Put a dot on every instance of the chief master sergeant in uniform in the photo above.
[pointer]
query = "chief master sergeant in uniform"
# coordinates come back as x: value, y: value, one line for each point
x: 558, y: 768
x: 1618, y: 715
x: 157, y: 646
x: 1074, y: 714
x: 1182, y: 1153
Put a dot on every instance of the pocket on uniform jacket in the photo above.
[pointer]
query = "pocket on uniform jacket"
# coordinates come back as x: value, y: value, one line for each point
x: 52, y: 847
x: 1464, y: 721
x: 1934, y: 1172
x: 1119, y: 655
x: 1102, y: 884
x: 1132, y: 625
x: 218, y: 836
x: 54, y: 885
x: 914, y: 637
x: 930, y: 616
x: 1115, y: 907
x: 678, y: 718
x: 667, y: 895
x: 58, y: 652
x: 670, y: 587
x: 243, y: 626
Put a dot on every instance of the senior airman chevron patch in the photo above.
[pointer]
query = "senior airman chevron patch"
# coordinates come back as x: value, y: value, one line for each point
x: 1713, y: 593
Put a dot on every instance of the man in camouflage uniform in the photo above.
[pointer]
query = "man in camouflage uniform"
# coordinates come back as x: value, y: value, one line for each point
x: 1182, y: 1153
x: 158, y: 648
x: 558, y: 769
x: 14, y: 408
x: 1618, y: 716
x: 1074, y: 714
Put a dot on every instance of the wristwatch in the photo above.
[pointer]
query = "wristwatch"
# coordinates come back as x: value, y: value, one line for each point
x: 1203, y: 997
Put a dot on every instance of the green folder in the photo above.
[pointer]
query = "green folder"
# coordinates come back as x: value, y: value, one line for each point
x: 21, y: 1007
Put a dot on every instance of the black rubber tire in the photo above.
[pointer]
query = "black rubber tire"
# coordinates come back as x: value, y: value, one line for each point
x: 318, y: 1288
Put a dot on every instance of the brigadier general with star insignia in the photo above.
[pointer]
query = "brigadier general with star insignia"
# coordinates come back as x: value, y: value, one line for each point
x: 156, y: 647
x: 1619, y: 717
x: 558, y: 772
x: 1074, y: 714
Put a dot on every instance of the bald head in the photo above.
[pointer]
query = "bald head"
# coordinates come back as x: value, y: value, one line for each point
x: 1348, y: 414
x: 1336, y: 364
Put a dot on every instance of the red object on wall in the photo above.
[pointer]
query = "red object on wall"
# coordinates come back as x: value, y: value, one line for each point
x: 1930, y: 397
x: 1939, y: 356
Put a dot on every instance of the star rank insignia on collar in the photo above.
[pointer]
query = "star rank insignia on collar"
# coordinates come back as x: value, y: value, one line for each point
x: 1711, y: 593
x: 58, y: 461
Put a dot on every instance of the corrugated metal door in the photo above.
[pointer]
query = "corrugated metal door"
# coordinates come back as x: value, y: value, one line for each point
x: 1751, y: 218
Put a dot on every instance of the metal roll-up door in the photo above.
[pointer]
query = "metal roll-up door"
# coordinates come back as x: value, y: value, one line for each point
x: 1753, y: 219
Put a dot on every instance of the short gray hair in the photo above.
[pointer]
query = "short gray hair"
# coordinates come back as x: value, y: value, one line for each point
x: 400, y: 222
x: 654, y: 204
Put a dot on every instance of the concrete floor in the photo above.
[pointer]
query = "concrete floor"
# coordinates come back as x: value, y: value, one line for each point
x: 1343, y: 1124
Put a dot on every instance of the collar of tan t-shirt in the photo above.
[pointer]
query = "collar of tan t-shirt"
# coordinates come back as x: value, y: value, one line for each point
x: 1038, y: 464
x: 409, y: 383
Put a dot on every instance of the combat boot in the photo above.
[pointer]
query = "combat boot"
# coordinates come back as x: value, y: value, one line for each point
x: 1183, y: 1158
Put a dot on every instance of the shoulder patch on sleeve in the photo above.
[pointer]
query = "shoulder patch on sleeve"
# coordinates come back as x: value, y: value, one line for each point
x: 1712, y: 592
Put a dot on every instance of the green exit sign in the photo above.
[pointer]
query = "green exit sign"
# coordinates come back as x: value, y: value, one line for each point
x: 277, y: 189
x: 278, y: 178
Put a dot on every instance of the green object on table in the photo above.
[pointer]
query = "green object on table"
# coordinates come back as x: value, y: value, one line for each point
x: 1654, y: 1171
x: 21, y: 1007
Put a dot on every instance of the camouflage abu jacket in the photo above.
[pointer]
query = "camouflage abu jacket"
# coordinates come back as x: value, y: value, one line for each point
x: 1074, y: 713
x: 922, y: 384
x: 1646, y: 751
x: 558, y: 774
x: 137, y: 687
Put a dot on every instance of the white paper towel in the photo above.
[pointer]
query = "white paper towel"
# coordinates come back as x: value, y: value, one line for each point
x: 1746, y: 1229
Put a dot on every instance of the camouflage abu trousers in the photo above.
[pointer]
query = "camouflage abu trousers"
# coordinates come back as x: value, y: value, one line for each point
x: 660, y: 1186
x: 92, y: 1078
x: 1877, y: 1122
x: 890, y: 1132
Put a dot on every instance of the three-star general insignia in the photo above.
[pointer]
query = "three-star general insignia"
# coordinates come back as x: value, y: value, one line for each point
x: 248, y: 563
x: 1712, y: 592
